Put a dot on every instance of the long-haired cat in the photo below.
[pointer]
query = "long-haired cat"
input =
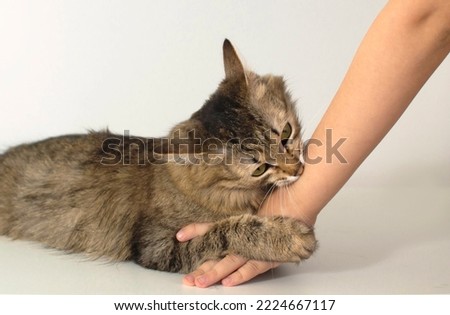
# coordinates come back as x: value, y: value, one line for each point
x: 126, y: 197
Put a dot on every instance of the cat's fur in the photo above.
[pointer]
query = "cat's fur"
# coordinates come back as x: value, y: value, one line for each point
x: 78, y: 194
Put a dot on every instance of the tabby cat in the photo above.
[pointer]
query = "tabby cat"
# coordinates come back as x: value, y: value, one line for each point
x: 125, y: 197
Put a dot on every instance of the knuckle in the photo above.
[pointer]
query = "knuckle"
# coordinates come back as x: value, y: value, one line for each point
x: 207, y: 265
x: 257, y: 267
x: 235, y: 260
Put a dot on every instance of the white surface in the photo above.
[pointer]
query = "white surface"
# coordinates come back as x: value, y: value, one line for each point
x: 392, y: 240
x: 66, y: 66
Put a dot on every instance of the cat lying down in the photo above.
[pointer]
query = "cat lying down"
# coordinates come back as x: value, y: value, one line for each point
x: 125, y: 197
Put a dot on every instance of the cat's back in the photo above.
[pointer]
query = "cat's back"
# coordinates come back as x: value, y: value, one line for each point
x: 46, y: 160
x: 60, y: 149
x: 57, y: 191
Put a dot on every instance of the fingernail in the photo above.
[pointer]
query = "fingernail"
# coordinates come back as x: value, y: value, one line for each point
x: 201, y: 280
x: 189, y: 278
x: 227, y: 281
x: 180, y: 236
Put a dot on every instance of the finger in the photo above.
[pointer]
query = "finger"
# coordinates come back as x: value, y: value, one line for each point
x: 248, y: 271
x: 189, y: 279
x: 220, y: 270
x: 192, y: 230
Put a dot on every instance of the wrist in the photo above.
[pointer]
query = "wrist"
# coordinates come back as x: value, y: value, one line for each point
x: 289, y: 202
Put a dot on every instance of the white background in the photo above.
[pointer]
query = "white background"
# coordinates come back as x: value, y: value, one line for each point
x: 69, y: 66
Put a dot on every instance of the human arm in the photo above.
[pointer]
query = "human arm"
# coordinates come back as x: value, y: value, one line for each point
x: 401, y: 50
x: 405, y: 44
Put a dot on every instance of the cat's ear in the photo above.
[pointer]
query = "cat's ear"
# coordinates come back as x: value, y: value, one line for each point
x: 233, y: 65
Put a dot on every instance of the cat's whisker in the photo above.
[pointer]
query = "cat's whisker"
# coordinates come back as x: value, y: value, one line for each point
x: 289, y: 192
x: 287, y: 199
x: 268, y: 193
x: 302, y: 216
x: 275, y: 211
x: 282, y: 193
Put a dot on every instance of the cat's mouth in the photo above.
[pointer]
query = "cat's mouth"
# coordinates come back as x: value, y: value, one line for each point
x: 290, y: 179
x: 286, y: 181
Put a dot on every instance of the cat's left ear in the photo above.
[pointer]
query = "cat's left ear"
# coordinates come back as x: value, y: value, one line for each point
x: 233, y: 65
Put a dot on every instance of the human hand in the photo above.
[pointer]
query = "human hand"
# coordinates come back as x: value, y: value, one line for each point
x: 234, y: 270
x: 230, y: 271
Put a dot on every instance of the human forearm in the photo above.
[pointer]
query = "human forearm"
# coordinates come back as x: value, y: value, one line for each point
x: 397, y: 56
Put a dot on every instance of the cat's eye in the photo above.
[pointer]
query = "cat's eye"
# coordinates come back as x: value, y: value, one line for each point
x: 260, y: 170
x: 286, y: 133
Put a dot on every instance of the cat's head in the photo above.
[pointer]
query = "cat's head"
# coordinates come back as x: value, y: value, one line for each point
x: 247, y: 131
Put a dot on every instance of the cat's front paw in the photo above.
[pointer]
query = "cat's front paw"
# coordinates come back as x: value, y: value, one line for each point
x: 272, y: 239
x: 297, y: 241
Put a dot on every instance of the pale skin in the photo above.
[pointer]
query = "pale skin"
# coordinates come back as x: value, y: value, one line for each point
x: 403, y: 47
